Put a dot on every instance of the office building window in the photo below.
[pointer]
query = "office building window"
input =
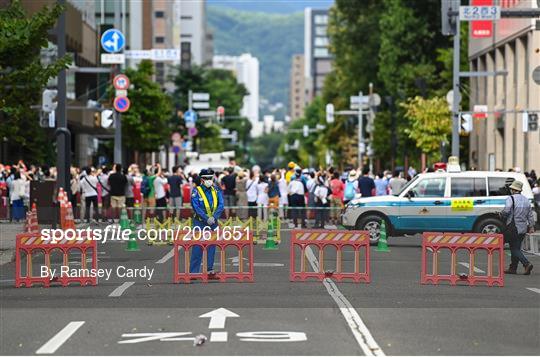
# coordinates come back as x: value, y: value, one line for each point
x: 320, y: 31
x: 321, y: 41
x: 185, y: 35
x: 321, y: 19
x: 321, y: 52
x: 186, y: 17
x: 160, y: 39
x: 159, y: 14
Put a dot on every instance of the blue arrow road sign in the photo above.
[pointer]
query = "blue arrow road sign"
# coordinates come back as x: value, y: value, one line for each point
x: 190, y: 116
x: 113, y: 41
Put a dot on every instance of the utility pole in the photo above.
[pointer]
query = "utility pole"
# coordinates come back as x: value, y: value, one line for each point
x: 457, y: 96
x: 63, y: 137
x: 361, y: 143
x: 117, y: 116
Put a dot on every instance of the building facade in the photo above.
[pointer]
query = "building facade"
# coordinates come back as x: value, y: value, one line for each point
x: 246, y: 69
x: 297, y: 88
x: 194, y: 32
x: 317, y: 56
x: 502, y: 141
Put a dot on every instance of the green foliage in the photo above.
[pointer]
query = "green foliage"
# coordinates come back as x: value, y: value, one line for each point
x: 264, y: 148
x: 272, y: 38
x: 145, y: 125
x: 430, y: 123
x: 23, y: 77
x: 224, y: 90
x: 312, y: 148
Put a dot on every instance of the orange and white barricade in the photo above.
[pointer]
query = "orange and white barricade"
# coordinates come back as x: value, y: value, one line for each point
x: 32, y: 243
x: 339, y: 239
x: 436, y: 242
x: 184, y: 241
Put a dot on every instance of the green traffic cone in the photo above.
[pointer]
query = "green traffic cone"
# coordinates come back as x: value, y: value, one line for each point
x: 137, y: 215
x: 124, y: 220
x: 270, y: 243
x: 132, y: 245
x: 382, y: 245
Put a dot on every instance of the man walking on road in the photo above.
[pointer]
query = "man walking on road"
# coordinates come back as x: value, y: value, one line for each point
x: 519, y: 218
x: 176, y: 181
x: 207, y: 203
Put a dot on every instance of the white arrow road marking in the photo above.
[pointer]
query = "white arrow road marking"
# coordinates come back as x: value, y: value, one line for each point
x: 120, y: 290
x: 166, y: 257
x: 60, y: 338
x: 157, y: 336
x: 218, y: 317
x: 476, y: 270
x: 360, y: 331
x: 536, y: 290
x: 218, y: 336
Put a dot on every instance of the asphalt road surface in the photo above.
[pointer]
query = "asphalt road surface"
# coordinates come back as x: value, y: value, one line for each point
x: 393, y: 315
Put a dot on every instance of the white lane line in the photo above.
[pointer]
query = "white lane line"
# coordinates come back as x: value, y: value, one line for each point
x: 167, y: 256
x: 536, y: 290
x: 359, y: 329
x: 476, y: 270
x: 120, y: 290
x: 218, y: 336
x: 60, y: 338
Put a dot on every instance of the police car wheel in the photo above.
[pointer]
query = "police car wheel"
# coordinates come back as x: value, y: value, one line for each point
x: 372, y: 224
x: 489, y: 225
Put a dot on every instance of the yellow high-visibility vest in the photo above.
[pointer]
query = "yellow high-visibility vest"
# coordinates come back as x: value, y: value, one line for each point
x: 209, y: 211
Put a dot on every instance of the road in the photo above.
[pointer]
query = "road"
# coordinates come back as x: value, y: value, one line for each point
x: 393, y: 315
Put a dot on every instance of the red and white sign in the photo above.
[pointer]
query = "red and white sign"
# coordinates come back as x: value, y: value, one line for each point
x: 481, y: 29
x: 480, y: 111
x: 121, y: 104
x: 121, y: 82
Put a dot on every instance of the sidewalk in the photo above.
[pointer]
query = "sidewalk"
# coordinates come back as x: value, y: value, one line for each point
x: 8, y: 231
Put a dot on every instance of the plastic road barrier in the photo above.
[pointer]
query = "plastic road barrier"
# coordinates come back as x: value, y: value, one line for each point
x: 436, y: 242
x: 339, y: 239
x: 185, y: 241
x: 29, y: 243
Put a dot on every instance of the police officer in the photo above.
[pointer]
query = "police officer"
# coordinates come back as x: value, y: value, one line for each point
x: 207, y: 203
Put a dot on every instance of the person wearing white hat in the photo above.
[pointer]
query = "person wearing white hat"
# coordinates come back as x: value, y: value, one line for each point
x: 351, y: 187
x: 519, y: 218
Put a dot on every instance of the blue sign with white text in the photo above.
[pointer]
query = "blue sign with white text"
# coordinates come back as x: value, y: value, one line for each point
x: 113, y: 41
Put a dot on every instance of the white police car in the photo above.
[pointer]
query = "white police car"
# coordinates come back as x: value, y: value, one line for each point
x: 438, y: 201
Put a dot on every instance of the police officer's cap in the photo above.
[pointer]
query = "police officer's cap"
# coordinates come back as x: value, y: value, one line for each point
x: 206, y: 173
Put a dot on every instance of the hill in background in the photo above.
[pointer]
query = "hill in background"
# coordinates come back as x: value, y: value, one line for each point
x: 272, y: 38
x: 272, y: 6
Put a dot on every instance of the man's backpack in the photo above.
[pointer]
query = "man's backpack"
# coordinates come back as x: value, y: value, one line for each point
x: 349, y: 190
x: 145, y: 186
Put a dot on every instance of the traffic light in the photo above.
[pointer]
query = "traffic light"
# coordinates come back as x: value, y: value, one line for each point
x: 449, y: 23
x: 329, y: 113
x: 220, y: 114
x: 185, y: 55
x: 533, y: 121
x: 47, y: 100
x: 466, y: 124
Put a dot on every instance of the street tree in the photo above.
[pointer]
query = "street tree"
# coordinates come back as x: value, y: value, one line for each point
x: 23, y: 77
x: 430, y: 124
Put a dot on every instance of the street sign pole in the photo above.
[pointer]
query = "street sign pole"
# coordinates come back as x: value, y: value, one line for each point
x: 456, y: 97
x: 117, y: 116
x: 63, y: 145
x: 360, y: 131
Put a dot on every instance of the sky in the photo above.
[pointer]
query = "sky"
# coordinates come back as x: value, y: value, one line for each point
x: 272, y: 6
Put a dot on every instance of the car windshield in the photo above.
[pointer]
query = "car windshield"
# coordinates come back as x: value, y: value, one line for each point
x: 407, y: 185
